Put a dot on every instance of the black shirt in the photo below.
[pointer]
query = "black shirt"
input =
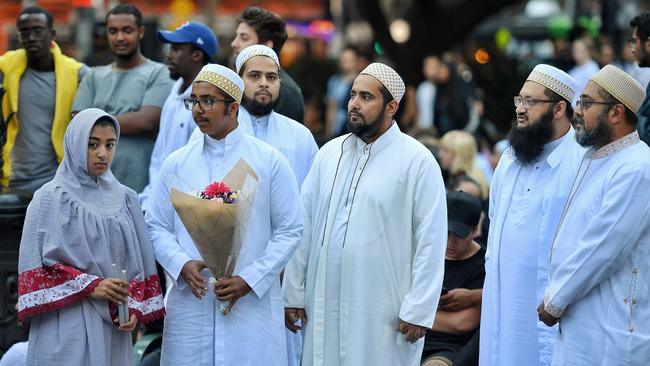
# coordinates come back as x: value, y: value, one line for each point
x: 466, y: 273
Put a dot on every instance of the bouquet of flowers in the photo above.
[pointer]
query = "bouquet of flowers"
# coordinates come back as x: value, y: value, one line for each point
x: 219, y: 192
x: 216, y: 218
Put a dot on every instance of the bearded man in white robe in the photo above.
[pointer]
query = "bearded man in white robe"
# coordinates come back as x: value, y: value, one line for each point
x: 366, y: 279
x: 599, y: 268
x: 527, y: 194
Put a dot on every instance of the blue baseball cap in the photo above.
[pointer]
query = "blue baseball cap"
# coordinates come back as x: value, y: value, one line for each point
x: 193, y: 32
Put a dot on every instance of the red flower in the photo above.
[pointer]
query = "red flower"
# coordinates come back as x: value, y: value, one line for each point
x: 214, y: 189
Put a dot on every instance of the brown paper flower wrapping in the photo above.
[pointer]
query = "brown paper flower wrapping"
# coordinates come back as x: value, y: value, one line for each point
x: 218, y: 228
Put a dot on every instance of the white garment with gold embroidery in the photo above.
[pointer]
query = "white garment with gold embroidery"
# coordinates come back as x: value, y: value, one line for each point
x: 600, y: 268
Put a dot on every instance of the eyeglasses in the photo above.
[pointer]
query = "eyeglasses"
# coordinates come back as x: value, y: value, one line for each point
x: 204, y: 103
x: 38, y: 33
x: 529, y: 102
x: 585, y: 104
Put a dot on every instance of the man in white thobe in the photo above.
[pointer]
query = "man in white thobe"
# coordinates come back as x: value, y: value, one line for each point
x: 527, y: 194
x: 195, y: 331
x: 259, y: 67
x: 192, y: 45
x: 599, y: 268
x: 368, y: 274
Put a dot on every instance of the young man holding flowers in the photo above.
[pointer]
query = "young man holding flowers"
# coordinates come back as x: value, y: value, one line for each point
x: 195, y: 332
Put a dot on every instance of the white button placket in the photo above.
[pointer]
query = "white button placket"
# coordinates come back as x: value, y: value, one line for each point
x: 361, y: 162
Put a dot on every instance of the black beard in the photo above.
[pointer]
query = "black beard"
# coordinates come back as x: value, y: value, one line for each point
x: 256, y: 108
x: 528, y: 142
x: 599, y: 136
x: 365, y: 130
x: 174, y: 75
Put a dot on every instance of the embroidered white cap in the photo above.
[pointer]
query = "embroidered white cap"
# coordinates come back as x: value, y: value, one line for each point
x: 388, y: 77
x: 255, y: 50
x: 223, y: 78
x: 554, y: 79
x: 621, y: 86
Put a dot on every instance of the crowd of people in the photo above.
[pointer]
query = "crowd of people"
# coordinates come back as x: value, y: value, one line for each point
x: 382, y: 237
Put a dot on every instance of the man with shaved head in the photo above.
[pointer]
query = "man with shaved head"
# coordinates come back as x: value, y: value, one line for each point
x: 37, y: 86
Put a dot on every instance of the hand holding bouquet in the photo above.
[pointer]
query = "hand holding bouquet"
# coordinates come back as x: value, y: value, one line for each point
x: 216, y: 218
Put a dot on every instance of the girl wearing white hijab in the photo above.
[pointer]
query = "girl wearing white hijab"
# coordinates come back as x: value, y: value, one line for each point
x: 76, y: 227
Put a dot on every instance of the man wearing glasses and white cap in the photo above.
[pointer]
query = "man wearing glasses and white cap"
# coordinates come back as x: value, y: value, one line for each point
x: 196, y: 332
x: 599, y: 269
x: 528, y: 191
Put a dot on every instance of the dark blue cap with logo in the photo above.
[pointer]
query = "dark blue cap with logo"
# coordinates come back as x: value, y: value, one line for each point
x: 193, y: 32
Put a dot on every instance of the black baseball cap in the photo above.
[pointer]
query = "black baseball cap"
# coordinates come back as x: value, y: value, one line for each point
x: 463, y: 213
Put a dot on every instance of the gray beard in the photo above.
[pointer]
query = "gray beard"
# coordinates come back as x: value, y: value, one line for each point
x: 598, y: 136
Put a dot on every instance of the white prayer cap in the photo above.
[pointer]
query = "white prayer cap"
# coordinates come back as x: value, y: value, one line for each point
x: 223, y: 78
x: 255, y: 50
x: 387, y: 77
x: 621, y: 86
x: 554, y: 79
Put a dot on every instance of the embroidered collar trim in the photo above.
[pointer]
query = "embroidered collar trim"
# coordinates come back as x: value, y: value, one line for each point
x: 616, y: 146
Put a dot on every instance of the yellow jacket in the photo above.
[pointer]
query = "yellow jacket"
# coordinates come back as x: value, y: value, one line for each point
x: 13, y: 65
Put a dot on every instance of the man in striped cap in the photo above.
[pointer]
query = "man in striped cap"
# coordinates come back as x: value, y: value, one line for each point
x: 599, y: 269
x: 196, y: 333
x: 368, y: 273
x: 528, y: 190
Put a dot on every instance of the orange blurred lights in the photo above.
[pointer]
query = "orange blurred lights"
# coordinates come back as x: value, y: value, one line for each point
x: 482, y: 56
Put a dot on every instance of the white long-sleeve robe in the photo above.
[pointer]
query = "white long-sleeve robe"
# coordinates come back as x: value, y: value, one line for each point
x: 297, y: 144
x: 526, y: 203
x: 391, y: 252
x: 600, y: 264
x: 176, y: 127
x: 252, y: 333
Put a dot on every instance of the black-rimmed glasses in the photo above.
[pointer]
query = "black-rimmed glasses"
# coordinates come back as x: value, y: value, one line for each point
x: 530, y: 102
x: 585, y: 104
x: 204, y: 103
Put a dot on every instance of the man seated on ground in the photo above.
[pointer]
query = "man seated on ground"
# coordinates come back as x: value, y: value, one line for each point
x: 459, y: 311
